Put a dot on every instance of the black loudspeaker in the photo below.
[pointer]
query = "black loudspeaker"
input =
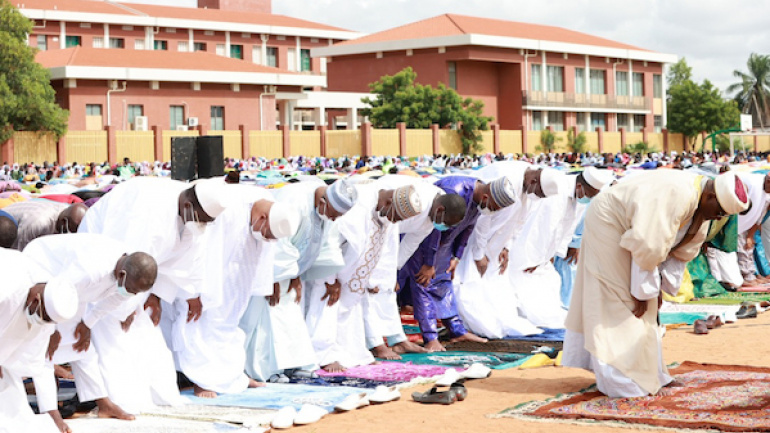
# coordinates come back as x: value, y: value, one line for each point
x: 211, y: 156
x: 183, y: 158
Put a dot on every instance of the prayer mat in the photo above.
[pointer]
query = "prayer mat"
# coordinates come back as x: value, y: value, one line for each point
x: 731, y: 398
x: 388, y: 372
x: 278, y: 395
x: 355, y: 382
x: 549, y: 334
x: 732, y: 298
x: 680, y: 317
x: 497, y: 361
x: 149, y: 424
x: 764, y: 288
x: 506, y: 346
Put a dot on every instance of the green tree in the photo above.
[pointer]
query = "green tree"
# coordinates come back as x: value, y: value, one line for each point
x: 27, y: 100
x: 576, y: 143
x: 694, y: 108
x: 678, y: 73
x: 399, y: 99
x: 753, y: 91
x: 548, y: 141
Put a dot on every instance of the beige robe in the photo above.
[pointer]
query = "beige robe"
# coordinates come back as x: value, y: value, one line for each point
x: 637, y: 219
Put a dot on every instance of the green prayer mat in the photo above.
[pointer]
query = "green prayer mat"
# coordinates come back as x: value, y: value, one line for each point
x: 494, y: 360
x: 733, y: 298
x: 723, y: 235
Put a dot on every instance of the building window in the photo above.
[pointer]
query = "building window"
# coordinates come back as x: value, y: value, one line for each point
x: 71, y: 41
x: 555, y: 77
x: 93, y: 109
x: 42, y: 42
x: 220, y: 50
x: 182, y: 46
x: 97, y: 42
x: 236, y: 51
x: 556, y: 120
x: 134, y: 111
x: 256, y: 54
x: 199, y: 46
x: 580, y: 119
x: 638, y: 122
x: 638, y: 84
x: 537, y: 85
x: 580, y: 80
x: 621, y: 83
x: 537, y: 120
x: 658, y: 123
x: 622, y: 121
x: 598, y: 121
x: 139, y: 44
x: 657, y: 86
x: 272, y: 57
x: 117, y: 43
x: 452, y: 75
x: 597, y: 82
x: 160, y: 45
x: 176, y: 116
x: 217, y: 118
x: 304, y: 59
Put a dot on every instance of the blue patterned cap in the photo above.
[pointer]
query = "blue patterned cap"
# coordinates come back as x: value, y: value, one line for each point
x: 341, y: 195
x: 502, y: 192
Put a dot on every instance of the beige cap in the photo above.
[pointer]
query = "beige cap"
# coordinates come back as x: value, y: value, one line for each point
x: 732, y: 194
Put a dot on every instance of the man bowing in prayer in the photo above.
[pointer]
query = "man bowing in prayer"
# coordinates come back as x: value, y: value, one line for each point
x: 636, y: 235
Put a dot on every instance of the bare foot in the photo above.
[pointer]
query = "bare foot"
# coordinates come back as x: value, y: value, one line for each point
x: 384, y: 352
x: 254, y: 384
x: 468, y: 336
x: 59, y: 421
x: 434, y: 346
x: 334, y: 367
x: 203, y: 393
x: 407, y: 310
x: 108, y: 409
x: 62, y: 372
x: 408, y: 347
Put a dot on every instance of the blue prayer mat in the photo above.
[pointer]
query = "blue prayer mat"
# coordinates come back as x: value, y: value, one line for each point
x: 549, y: 334
x: 278, y: 395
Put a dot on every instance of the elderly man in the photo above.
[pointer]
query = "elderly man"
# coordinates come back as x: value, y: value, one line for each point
x: 630, y: 251
x: 104, y: 275
x: 240, y: 251
x: 278, y: 339
x: 165, y: 219
x: 430, y: 270
x: 29, y: 311
x: 337, y: 328
x: 37, y: 218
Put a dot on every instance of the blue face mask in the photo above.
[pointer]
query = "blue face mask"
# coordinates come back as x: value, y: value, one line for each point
x: 442, y: 227
x: 584, y: 200
x: 122, y: 291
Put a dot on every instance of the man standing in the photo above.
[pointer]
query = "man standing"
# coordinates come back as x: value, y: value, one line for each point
x: 612, y: 321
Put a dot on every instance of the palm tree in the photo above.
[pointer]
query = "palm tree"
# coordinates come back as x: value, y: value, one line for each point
x: 754, y: 88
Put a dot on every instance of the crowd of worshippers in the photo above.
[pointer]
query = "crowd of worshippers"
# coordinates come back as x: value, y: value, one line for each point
x: 233, y: 285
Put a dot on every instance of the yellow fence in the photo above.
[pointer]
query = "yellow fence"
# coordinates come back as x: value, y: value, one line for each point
x: 168, y: 135
x: 267, y: 144
x: 510, y: 142
x: 305, y: 143
x: 675, y: 142
x: 633, y: 138
x: 385, y: 142
x: 86, y: 146
x: 533, y: 141
x: 419, y: 142
x: 339, y: 143
x: 135, y: 145
x: 231, y: 143
x: 449, y: 142
x: 592, y: 141
x: 655, y: 141
x: 612, y: 142
x: 561, y: 141
x: 763, y: 143
x: 34, y: 147
x: 487, y: 142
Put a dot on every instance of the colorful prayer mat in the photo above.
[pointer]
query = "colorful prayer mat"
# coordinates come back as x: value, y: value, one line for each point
x: 355, y: 382
x: 506, y: 346
x: 388, y: 372
x: 549, y: 334
x: 680, y: 317
x: 497, y: 361
x: 730, y: 398
x: 732, y: 298
x: 149, y: 424
x: 278, y: 395
x: 765, y: 288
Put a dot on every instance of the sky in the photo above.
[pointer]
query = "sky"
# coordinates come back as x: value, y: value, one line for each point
x: 715, y: 36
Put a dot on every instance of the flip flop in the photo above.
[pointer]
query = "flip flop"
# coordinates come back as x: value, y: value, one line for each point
x: 460, y: 390
x: 353, y: 402
x: 308, y: 414
x: 476, y: 371
x: 449, y: 377
x: 435, y: 396
x: 284, y: 418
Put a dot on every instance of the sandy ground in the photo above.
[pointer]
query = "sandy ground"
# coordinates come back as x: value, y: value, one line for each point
x: 742, y: 343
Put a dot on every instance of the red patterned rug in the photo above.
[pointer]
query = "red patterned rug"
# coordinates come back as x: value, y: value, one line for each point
x: 730, y: 398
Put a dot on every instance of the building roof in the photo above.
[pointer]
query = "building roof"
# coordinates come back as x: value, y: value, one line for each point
x: 454, y: 30
x: 169, y: 16
x: 152, y: 65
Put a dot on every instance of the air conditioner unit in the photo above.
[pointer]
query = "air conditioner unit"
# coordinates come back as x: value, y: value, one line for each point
x: 140, y: 123
x: 181, y: 128
x: 192, y: 122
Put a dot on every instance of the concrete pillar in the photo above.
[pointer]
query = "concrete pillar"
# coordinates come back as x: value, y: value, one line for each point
x: 352, y: 119
x: 366, y: 139
x: 665, y: 140
x: 201, y: 130
x: 622, y: 138
x: 600, y: 132
x: 436, y: 138
x: 61, y: 149
x: 106, y: 35
x: 319, y: 117
x: 112, y: 145
x: 322, y: 132
x: 285, y: 130
x: 644, y: 135
x: 524, y: 141
x: 496, y: 138
x: 245, y: 145
x: 158, y: 133
x: 401, y: 126
x: 756, y: 144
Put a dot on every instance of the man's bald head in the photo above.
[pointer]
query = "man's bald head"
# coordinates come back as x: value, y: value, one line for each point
x: 453, y: 206
x: 139, y: 270
x: 70, y: 218
x: 8, y: 232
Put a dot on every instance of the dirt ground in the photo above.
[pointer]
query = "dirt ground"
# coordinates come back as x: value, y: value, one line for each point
x: 741, y: 343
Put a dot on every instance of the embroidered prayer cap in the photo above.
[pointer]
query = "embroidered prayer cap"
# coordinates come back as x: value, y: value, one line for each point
x: 732, y: 194
x: 212, y: 195
x: 284, y: 220
x: 597, y: 178
x: 549, y: 181
x: 341, y: 195
x: 60, y: 299
x: 502, y: 192
x: 406, y: 201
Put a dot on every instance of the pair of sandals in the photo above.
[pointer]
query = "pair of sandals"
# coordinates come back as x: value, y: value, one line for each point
x: 456, y: 392
x: 702, y: 326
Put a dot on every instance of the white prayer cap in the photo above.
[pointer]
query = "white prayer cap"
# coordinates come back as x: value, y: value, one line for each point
x: 549, y: 181
x: 212, y: 195
x: 284, y: 220
x: 341, y: 195
x: 502, y: 191
x: 732, y: 194
x: 60, y: 299
x: 597, y: 178
x: 406, y: 202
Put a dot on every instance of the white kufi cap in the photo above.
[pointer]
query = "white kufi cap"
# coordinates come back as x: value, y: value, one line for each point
x: 597, y: 178
x: 60, y: 299
x: 212, y: 195
x: 284, y: 220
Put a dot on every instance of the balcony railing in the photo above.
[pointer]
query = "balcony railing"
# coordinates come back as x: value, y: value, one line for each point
x: 581, y: 100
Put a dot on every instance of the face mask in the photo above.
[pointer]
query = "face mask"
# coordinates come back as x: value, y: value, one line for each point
x: 584, y: 200
x: 440, y: 226
x: 485, y: 210
x: 122, y: 289
x: 194, y: 228
x: 34, y: 318
x: 258, y: 235
x: 322, y: 215
x: 384, y: 218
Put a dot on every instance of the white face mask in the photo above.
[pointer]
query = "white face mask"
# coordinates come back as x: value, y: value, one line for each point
x: 258, y: 235
x: 34, y: 318
x: 485, y: 210
x: 322, y: 215
x: 122, y: 289
x: 195, y: 228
